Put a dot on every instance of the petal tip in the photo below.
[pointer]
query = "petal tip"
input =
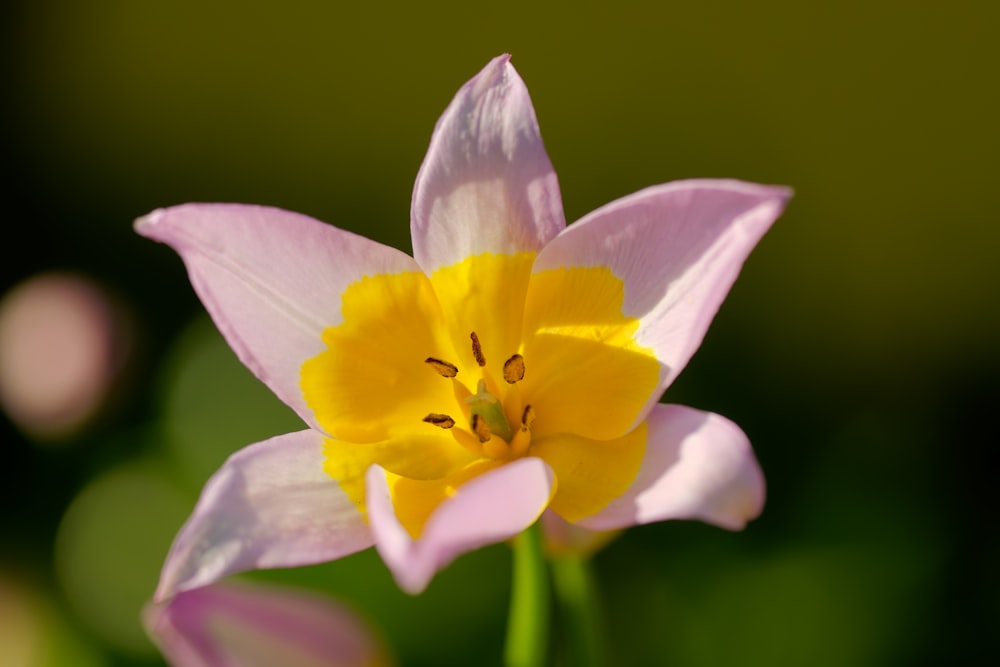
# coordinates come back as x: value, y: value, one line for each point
x: 411, y: 585
x: 496, y: 74
x: 143, y: 224
x: 773, y: 200
x: 169, y: 585
x: 500, y: 62
x: 162, y: 595
x: 782, y: 193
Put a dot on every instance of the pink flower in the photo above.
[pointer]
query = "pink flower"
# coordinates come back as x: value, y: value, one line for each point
x: 512, y: 365
x: 225, y: 625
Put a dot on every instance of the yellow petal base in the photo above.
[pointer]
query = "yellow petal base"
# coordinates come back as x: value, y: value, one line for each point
x: 403, y: 374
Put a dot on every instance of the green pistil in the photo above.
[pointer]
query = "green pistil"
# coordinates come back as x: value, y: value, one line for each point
x: 486, y: 405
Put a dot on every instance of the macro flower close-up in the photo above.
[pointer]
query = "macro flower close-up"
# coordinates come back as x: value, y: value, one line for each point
x: 512, y: 365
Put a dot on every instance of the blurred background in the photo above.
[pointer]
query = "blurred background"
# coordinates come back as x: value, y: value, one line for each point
x: 858, y: 350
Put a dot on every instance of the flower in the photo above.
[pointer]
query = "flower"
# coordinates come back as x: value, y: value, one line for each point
x: 262, y: 625
x: 513, y: 364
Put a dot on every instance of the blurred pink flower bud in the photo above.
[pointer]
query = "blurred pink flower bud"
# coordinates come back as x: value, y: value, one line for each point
x: 63, y: 344
x: 242, y: 625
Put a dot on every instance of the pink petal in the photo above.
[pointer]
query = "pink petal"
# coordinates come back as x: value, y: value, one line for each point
x: 271, y: 280
x: 698, y: 465
x: 490, y: 508
x: 248, y: 625
x: 486, y: 184
x: 270, y: 505
x: 678, y: 248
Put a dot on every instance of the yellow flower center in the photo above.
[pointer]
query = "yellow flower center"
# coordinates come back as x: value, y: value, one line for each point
x: 491, y: 435
x: 441, y: 378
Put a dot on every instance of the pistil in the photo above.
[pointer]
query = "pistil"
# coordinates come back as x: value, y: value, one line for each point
x: 485, y: 406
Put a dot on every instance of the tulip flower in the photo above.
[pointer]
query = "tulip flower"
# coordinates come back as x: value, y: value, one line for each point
x: 514, y: 364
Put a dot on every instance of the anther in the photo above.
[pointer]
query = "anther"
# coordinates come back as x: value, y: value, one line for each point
x: 441, y: 421
x: 480, y: 428
x: 513, y: 369
x: 527, y: 417
x: 477, y: 349
x: 443, y: 368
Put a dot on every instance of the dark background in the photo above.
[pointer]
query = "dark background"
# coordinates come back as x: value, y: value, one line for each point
x: 858, y: 350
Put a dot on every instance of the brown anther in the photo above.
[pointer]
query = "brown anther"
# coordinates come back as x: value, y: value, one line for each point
x: 443, y: 368
x: 477, y: 349
x: 441, y: 421
x: 527, y: 417
x: 480, y: 428
x: 513, y: 369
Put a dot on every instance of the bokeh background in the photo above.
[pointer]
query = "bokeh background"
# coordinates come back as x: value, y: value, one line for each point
x: 859, y: 349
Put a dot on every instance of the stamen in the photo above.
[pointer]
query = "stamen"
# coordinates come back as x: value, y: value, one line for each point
x: 513, y: 369
x: 477, y: 349
x: 522, y: 439
x: 443, y: 368
x: 462, y: 396
x: 480, y: 428
x: 527, y: 417
x: 496, y: 449
x: 441, y: 421
x: 467, y: 440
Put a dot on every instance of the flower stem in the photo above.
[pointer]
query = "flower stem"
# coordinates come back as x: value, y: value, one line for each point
x: 528, y: 625
x: 573, y: 580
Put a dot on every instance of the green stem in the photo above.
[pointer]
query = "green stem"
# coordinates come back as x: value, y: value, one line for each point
x: 573, y: 580
x: 528, y: 626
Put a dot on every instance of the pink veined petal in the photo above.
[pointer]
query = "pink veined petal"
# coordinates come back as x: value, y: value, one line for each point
x: 698, y: 465
x: 486, y: 184
x: 270, y: 505
x: 271, y: 280
x: 678, y: 248
x: 258, y: 625
x: 490, y: 508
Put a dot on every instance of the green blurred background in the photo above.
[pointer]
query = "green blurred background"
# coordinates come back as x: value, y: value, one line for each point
x: 858, y: 350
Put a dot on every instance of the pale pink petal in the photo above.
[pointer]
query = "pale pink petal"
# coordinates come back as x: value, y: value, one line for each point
x: 490, y: 508
x: 271, y: 280
x: 677, y: 248
x: 698, y: 465
x: 487, y: 184
x: 225, y: 625
x: 270, y: 505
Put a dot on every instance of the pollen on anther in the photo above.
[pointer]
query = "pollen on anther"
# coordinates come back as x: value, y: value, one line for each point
x: 441, y: 421
x: 513, y: 369
x: 481, y: 429
x: 477, y: 349
x: 443, y: 368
